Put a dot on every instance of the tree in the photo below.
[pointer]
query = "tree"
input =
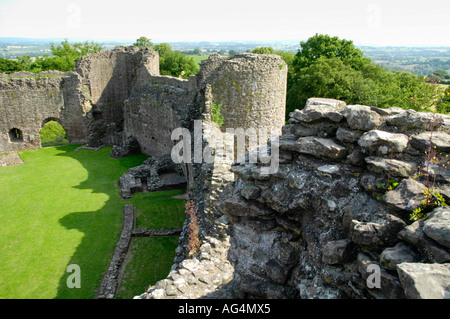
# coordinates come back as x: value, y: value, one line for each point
x: 176, y: 64
x: 64, y: 58
x: 143, y: 43
x: 322, y: 45
x: 443, y: 105
x: 333, y: 68
x: 263, y: 50
x: 65, y: 55
x: 163, y: 49
x: 9, y: 66
x: 438, y: 76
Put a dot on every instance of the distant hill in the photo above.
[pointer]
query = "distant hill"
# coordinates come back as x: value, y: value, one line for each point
x: 420, y: 60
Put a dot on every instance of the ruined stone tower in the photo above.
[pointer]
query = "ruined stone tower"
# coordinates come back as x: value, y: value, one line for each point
x: 112, y: 95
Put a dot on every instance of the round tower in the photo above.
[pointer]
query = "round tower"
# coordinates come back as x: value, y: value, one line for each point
x: 250, y: 89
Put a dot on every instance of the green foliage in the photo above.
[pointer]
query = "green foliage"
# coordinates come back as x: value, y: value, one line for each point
x: 442, y: 74
x: 443, y: 106
x: 9, y: 66
x: 163, y: 49
x: 53, y: 134
x: 176, y: 64
x: 332, y: 68
x: 64, y: 58
x: 432, y: 200
x: 263, y: 50
x: 216, y: 114
x: 65, y: 55
x: 329, y: 47
x: 143, y: 42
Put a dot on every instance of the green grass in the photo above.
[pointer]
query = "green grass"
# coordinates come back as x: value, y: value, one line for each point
x: 150, y: 260
x: 158, y: 209
x: 60, y: 207
x: 199, y: 58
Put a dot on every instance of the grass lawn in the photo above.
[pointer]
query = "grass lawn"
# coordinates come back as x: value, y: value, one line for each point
x: 149, y: 260
x: 158, y: 209
x: 60, y: 207
x: 199, y: 58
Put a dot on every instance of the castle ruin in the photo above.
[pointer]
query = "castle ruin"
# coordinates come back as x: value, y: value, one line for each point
x: 313, y: 229
x: 112, y: 95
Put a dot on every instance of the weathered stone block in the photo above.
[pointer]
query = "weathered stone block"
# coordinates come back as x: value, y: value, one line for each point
x: 411, y: 119
x: 383, y: 143
x: 391, y: 257
x: 414, y: 235
x: 407, y: 196
x: 425, y: 281
x: 361, y: 117
x: 347, y: 135
x: 320, y: 147
x: 236, y: 206
x: 385, y: 166
x: 437, y: 226
x: 337, y: 252
x: 380, y: 231
x: 250, y: 191
x: 317, y: 109
x: 439, y: 140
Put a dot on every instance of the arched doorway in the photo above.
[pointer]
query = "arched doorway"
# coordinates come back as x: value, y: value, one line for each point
x: 52, y: 133
x: 15, y: 135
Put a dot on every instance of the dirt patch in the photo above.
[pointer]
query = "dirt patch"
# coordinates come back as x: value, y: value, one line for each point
x: 182, y: 196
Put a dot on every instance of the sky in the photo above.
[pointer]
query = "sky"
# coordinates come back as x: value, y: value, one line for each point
x: 365, y: 22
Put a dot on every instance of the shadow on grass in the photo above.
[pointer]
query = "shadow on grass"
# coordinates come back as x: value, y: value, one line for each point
x: 101, y: 226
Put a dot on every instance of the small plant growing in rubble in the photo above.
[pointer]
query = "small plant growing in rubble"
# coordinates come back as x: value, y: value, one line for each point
x: 216, y: 114
x: 193, y: 236
x: 432, y: 196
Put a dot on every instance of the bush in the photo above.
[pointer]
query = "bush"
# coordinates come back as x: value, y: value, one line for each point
x: 53, y: 134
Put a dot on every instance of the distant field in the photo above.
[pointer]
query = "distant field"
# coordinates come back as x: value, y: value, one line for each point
x: 199, y: 58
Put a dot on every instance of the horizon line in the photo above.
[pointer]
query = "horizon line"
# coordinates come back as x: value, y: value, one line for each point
x: 108, y: 39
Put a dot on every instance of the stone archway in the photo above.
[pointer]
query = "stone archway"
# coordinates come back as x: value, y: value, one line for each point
x: 48, y: 119
x: 52, y: 132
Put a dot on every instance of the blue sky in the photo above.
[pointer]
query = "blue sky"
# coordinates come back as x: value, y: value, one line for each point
x: 371, y: 22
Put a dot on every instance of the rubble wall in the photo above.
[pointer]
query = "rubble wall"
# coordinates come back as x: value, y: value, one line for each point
x: 26, y: 101
x: 340, y: 202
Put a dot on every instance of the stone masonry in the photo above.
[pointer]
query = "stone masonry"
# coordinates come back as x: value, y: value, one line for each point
x: 318, y: 227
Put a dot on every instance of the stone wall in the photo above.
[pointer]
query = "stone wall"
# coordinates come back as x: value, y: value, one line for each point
x: 26, y: 101
x: 154, y: 113
x: 88, y: 102
x: 312, y: 229
x: 326, y: 225
x: 113, y: 95
x: 107, y: 80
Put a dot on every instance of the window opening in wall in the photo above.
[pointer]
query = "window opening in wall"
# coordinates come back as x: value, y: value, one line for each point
x: 15, y: 135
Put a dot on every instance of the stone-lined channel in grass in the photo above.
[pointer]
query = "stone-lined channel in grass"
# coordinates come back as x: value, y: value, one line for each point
x: 63, y: 207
